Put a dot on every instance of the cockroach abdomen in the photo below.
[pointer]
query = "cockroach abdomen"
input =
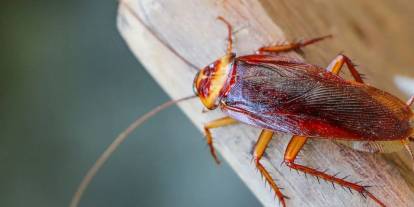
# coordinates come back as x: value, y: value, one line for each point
x: 288, y: 96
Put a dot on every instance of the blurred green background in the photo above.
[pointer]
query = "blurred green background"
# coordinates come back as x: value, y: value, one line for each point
x: 68, y: 86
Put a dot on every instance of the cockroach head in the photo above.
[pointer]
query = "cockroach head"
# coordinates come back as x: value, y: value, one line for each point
x: 210, y: 81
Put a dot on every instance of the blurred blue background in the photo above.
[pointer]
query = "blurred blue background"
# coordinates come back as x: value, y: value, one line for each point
x: 68, y: 86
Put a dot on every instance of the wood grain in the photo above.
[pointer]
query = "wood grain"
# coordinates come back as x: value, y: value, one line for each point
x: 378, y: 34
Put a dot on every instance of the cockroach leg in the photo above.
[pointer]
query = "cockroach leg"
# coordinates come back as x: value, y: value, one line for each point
x: 336, y: 65
x: 292, y: 150
x: 229, y: 35
x: 290, y: 46
x: 260, y: 147
x: 225, y: 121
x: 410, y: 101
x: 406, y: 143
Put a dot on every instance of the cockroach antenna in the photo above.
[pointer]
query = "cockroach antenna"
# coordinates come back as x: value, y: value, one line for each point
x: 134, y: 125
x: 229, y: 35
x: 115, y: 144
x: 153, y: 33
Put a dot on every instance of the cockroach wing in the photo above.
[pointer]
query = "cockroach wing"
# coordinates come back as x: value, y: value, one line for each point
x: 293, y: 97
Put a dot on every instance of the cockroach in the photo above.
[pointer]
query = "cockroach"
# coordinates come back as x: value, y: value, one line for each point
x: 280, y: 94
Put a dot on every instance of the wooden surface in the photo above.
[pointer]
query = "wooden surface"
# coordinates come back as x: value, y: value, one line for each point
x: 376, y: 34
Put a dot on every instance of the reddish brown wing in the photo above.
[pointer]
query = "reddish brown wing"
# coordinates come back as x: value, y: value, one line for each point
x: 279, y: 94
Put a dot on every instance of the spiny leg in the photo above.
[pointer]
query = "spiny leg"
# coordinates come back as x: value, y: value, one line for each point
x: 290, y: 46
x: 260, y: 147
x: 292, y: 150
x: 406, y: 143
x: 410, y: 101
x: 336, y: 65
x: 215, y: 124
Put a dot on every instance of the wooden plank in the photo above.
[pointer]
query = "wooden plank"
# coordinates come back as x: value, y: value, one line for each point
x: 376, y: 33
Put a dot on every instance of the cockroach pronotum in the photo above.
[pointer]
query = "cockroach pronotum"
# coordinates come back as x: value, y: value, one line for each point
x: 280, y: 94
